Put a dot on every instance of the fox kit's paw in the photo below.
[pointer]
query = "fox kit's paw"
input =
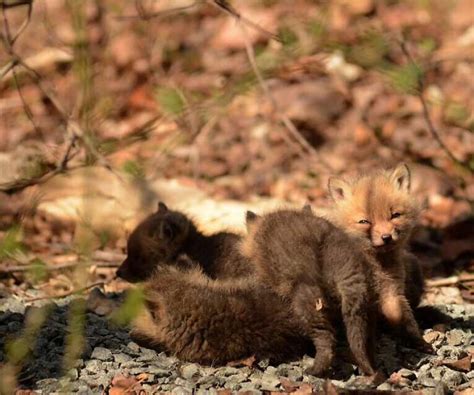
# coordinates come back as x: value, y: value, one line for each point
x: 425, y: 347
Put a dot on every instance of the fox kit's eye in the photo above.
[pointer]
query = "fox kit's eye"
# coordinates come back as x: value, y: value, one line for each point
x: 396, y: 215
x: 364, y: 222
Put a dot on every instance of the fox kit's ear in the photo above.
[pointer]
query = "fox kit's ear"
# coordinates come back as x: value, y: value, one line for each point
x: 400, y: 177
x: 307, y: 208
x: 339, y: 189
x: 250, y: 218
x: 162, y: 208
x: 165, y: 231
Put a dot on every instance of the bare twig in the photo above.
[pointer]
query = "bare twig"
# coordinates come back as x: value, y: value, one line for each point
x: 229, y: 9
x: 60, y: 266
x: 426, y: 114
x: 69, y: 293
x: 453, y: 280
x: 142, y: 14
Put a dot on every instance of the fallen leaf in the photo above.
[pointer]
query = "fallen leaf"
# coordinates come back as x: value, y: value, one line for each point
x: 463, y: 365
x: 305, y: 389
x: 467, y: 391
x: 249, y: 362
x: 431, y: 336
x: 289, y: 385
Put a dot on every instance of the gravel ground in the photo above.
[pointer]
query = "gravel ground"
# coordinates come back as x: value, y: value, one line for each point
x: 109, y: 351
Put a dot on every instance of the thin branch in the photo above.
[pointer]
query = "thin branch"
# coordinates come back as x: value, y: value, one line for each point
x: 225, y: 6
x: 142, y: 14
x: 453, y: 280
x: 60, y: 266
x: 426, y: 114
x: 69, y: 293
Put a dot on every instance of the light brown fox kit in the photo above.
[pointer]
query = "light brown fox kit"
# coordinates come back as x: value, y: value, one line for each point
x: 323, y: 275
x: 378, y: 210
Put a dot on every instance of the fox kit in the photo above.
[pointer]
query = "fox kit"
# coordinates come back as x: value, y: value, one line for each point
x: 378, y: 210
x: 193, y: 316
x: 166, y: 234
x: 320, y: 271
x: 215, y: 321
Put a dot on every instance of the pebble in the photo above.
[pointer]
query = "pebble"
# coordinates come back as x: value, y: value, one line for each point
x: 190, y: 371
x: 110, y: 352
x: 384, y: 387
x: 455, y: 337
x: 122, y: 358
x: 453, y: 378
x: 102, y: 354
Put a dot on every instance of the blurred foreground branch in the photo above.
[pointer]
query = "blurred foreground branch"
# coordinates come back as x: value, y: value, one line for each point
x: 74, y: 131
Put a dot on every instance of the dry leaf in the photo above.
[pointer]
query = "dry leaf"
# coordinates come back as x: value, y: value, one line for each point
x: 463, y: 365
x: 249, y: 362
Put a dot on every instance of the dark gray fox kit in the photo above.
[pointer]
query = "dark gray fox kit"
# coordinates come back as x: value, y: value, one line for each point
x: 198, y: 318
x: 165, y: 234
x: 322, y: 273
x: 216, y: 321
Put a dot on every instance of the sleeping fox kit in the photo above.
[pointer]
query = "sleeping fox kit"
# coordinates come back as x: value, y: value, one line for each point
x: 194, y: 316
x: 166, y: 234
x: 216, y: 321
x: 321, y: 272
x: 379, y: 212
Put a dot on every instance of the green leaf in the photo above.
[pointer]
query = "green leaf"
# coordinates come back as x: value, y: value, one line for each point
x: 170, y: 100
x: 134, y: 168
x: 130, y: 308
x: 406, y: 78
x: 12, y: 242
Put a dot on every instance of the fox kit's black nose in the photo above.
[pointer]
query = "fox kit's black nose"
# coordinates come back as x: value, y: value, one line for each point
x: 387, y: 238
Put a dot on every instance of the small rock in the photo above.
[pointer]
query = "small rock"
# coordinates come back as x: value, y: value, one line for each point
x: 270, y: 382
x: 294, y: 375
x: 190, y: 371
x: 147, y: 355
x: 430, y: 337
x: 122, y: 357
x: 455, y: 337
x: 271, y: 370
x: 93, y: 366
x: 134, y: 347
x: 159, y: 372
x: 102, y: 354
x: 384, y: 387
x: 408, y: 374
x: 264, y: 363
x: 428, y: 381
x: 452, y: 378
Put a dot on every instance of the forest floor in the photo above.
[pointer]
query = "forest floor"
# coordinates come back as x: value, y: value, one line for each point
x: 131, y: 103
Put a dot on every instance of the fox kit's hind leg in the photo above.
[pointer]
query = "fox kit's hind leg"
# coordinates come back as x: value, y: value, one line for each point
x: 356, y: 310
x: 310, y: 307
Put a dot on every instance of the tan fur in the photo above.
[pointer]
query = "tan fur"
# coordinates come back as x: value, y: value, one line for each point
x: 377, y: 206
